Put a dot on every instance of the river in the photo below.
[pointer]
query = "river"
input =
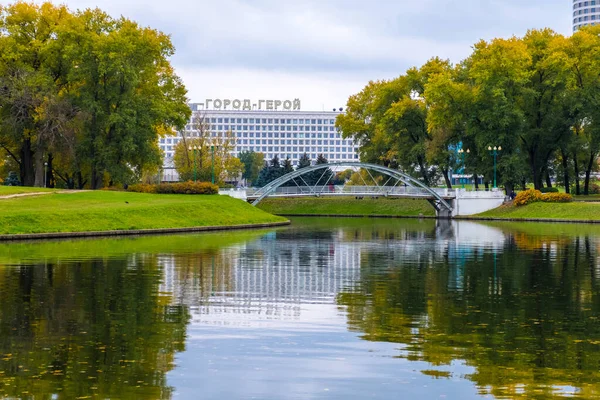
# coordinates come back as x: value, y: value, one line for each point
x: 322, y: 309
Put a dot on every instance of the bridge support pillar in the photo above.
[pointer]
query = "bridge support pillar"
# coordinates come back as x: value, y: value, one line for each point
x: 444, y: 213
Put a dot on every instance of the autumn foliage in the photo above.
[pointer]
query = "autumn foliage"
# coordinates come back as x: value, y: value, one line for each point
x: 188, y: 187
x: 531, y: 196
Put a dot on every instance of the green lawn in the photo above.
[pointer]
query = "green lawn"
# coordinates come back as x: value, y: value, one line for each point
x: 38, y: 251
x: 565, y: 211
x: 105, y: 210
x: 347, y: 206
x: 8, y: 190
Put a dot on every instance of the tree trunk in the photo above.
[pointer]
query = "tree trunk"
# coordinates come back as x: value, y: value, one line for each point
x: 39, y: 168
x: 423, y: 171
x: 27, y: 173
x: 548, y: 180
x: 523, y: 185
x: 588, y: 172
x: 80, y: 181
x: 535, y: 172
x: 447, y: 178
x: 50, y: 180
x: 476, y: 180
x: 565, y: 165
x: 576, y: 167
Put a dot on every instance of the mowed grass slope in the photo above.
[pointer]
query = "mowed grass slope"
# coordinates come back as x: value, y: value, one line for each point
x: 347, y: 206
x: 562, y: 211
x: 10, y: 190
x: 104, y: 210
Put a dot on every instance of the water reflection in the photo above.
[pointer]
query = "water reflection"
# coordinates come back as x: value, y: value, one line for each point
x: 322, y: 309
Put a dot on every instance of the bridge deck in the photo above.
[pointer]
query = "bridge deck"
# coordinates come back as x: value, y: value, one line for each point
x: 252, y: 197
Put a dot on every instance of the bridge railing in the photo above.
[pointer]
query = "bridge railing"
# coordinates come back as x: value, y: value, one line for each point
x: 352, y: 190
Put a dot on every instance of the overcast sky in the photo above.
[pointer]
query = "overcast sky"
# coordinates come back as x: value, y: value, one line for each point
x: 322, y: 51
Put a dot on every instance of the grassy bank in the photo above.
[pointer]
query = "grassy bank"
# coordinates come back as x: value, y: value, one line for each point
x: 559, y: 211
x: 347, y: 206
x: 103, y: 211
x: 10, y: 190
x: 109, y: 247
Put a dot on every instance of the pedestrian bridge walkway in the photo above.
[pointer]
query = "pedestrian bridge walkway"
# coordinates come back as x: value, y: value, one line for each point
x: 353, y: 191
x: 446, y: 202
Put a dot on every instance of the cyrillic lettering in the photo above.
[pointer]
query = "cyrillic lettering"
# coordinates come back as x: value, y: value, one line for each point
x: 296, y: 104
x: 269, y: 104
x: 226, y: 102
x: 236, y: 104
x: 208, y: 101
x: 260, y: 104
x: 247, y: 105
x: 277, y: 103
x: 287, y: 105
x: 218, y: 103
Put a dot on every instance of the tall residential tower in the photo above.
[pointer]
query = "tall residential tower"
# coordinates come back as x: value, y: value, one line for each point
x: 585, y: 13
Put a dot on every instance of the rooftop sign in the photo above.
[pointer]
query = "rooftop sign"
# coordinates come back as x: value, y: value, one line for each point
x: 246, y: 104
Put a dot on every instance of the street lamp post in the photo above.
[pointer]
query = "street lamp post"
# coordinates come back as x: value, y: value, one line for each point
x: 212, y: 163
x: 194, y: 149
x: 494, y: 150
x: 45, y: 173
x: 462, y: 156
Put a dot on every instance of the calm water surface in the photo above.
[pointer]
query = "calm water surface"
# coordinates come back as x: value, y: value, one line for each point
x: 324, y: 309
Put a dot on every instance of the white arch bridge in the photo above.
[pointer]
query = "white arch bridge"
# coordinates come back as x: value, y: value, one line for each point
x: 398, y: 184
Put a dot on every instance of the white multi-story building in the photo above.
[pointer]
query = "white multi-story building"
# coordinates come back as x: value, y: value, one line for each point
x: 585, y: 13
x: 285, y: 133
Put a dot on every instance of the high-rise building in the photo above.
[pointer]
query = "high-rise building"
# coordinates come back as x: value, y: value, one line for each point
x: 284, y: 133
x: 585, y: 13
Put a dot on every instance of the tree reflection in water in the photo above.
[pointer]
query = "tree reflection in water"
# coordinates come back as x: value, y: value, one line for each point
x: 87, y: 328
x: 525, y: 316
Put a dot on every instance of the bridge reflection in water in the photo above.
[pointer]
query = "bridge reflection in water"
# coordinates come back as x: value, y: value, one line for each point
x: 281, y: 272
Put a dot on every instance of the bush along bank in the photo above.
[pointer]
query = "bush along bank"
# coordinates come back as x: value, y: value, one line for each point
x: 188, y: 187
x: 533, y: 196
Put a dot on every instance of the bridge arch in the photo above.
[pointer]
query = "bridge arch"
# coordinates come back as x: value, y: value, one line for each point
x: 443, y: 208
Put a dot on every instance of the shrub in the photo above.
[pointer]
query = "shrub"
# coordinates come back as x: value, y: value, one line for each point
x: 532, y: 196
x: 527, y: 197
x: 594, y: 188
x: 557, y: 198
x: 188, y: 187
x: 142, y: 188
x: 549, y: 190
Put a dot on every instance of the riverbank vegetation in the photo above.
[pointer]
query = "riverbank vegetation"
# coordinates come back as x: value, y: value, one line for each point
x: 348, y: 206
x: 10, y: 190
x: 107, y: 210
x: 84, y: 97
x: 540, y: 210
x: 528, y: 103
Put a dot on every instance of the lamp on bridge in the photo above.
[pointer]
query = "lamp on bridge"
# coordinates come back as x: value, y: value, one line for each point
x: 462, y: 157
x: 494, y: 150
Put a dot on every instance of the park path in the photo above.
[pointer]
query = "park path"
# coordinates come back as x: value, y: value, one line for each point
x: 12, y: 196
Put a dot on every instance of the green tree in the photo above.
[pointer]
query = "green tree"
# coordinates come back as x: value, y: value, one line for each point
x: 202, y: 154
x: 100, y: 89
x: 253, y: 163
x: 271, y: 171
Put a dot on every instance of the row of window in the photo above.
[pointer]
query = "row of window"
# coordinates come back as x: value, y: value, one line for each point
x: 295, y: 157
x: 584, y: 4
x: 265, y: 128
x: 300, y: 149
x: 586, y: 11
x: 289, y: 121
x: 583, y: 19
x: 337, y: 142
